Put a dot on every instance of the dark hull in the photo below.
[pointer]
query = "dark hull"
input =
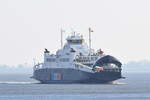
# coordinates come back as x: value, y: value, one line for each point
x: 62, y: 75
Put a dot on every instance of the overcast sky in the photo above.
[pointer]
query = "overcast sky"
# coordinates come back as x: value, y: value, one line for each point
x: 121, y: 27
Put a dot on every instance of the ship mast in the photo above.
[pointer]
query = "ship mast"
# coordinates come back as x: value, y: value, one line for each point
x: 62, y: 37
x: 90, y: 40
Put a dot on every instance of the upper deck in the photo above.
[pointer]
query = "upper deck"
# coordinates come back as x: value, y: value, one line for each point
x: 74, y: 50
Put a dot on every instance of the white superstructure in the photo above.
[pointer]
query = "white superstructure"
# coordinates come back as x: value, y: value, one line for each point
x: 75, y: 53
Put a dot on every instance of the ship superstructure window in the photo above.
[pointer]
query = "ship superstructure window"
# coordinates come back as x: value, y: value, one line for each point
x: 75, y: 41
x: 50, y: 60
x: 64, y: 59
x: 87, y: 59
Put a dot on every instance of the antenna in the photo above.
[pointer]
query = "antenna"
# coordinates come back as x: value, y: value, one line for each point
x: 73, y: 33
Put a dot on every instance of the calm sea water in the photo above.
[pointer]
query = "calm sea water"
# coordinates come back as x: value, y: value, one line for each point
x: 21, y: 87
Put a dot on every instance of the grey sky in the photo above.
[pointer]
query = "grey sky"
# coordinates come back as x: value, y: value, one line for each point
x: 121, y: 27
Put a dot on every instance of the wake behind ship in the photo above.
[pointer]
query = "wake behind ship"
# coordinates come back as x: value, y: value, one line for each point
x: 75, y: 62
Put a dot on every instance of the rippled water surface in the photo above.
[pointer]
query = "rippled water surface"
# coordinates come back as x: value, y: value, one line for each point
x: 21, y: 87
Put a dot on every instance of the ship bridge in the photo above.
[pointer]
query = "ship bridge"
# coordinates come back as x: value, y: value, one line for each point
x: 75, y: 40
x: 76, y: 43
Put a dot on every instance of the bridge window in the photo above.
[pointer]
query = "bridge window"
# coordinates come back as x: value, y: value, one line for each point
x: 75, y: 41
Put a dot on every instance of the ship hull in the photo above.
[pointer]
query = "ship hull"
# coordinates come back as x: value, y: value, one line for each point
x: 62, y: 75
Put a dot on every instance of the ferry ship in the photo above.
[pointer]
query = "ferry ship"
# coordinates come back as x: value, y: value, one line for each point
x: 77, y: 62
